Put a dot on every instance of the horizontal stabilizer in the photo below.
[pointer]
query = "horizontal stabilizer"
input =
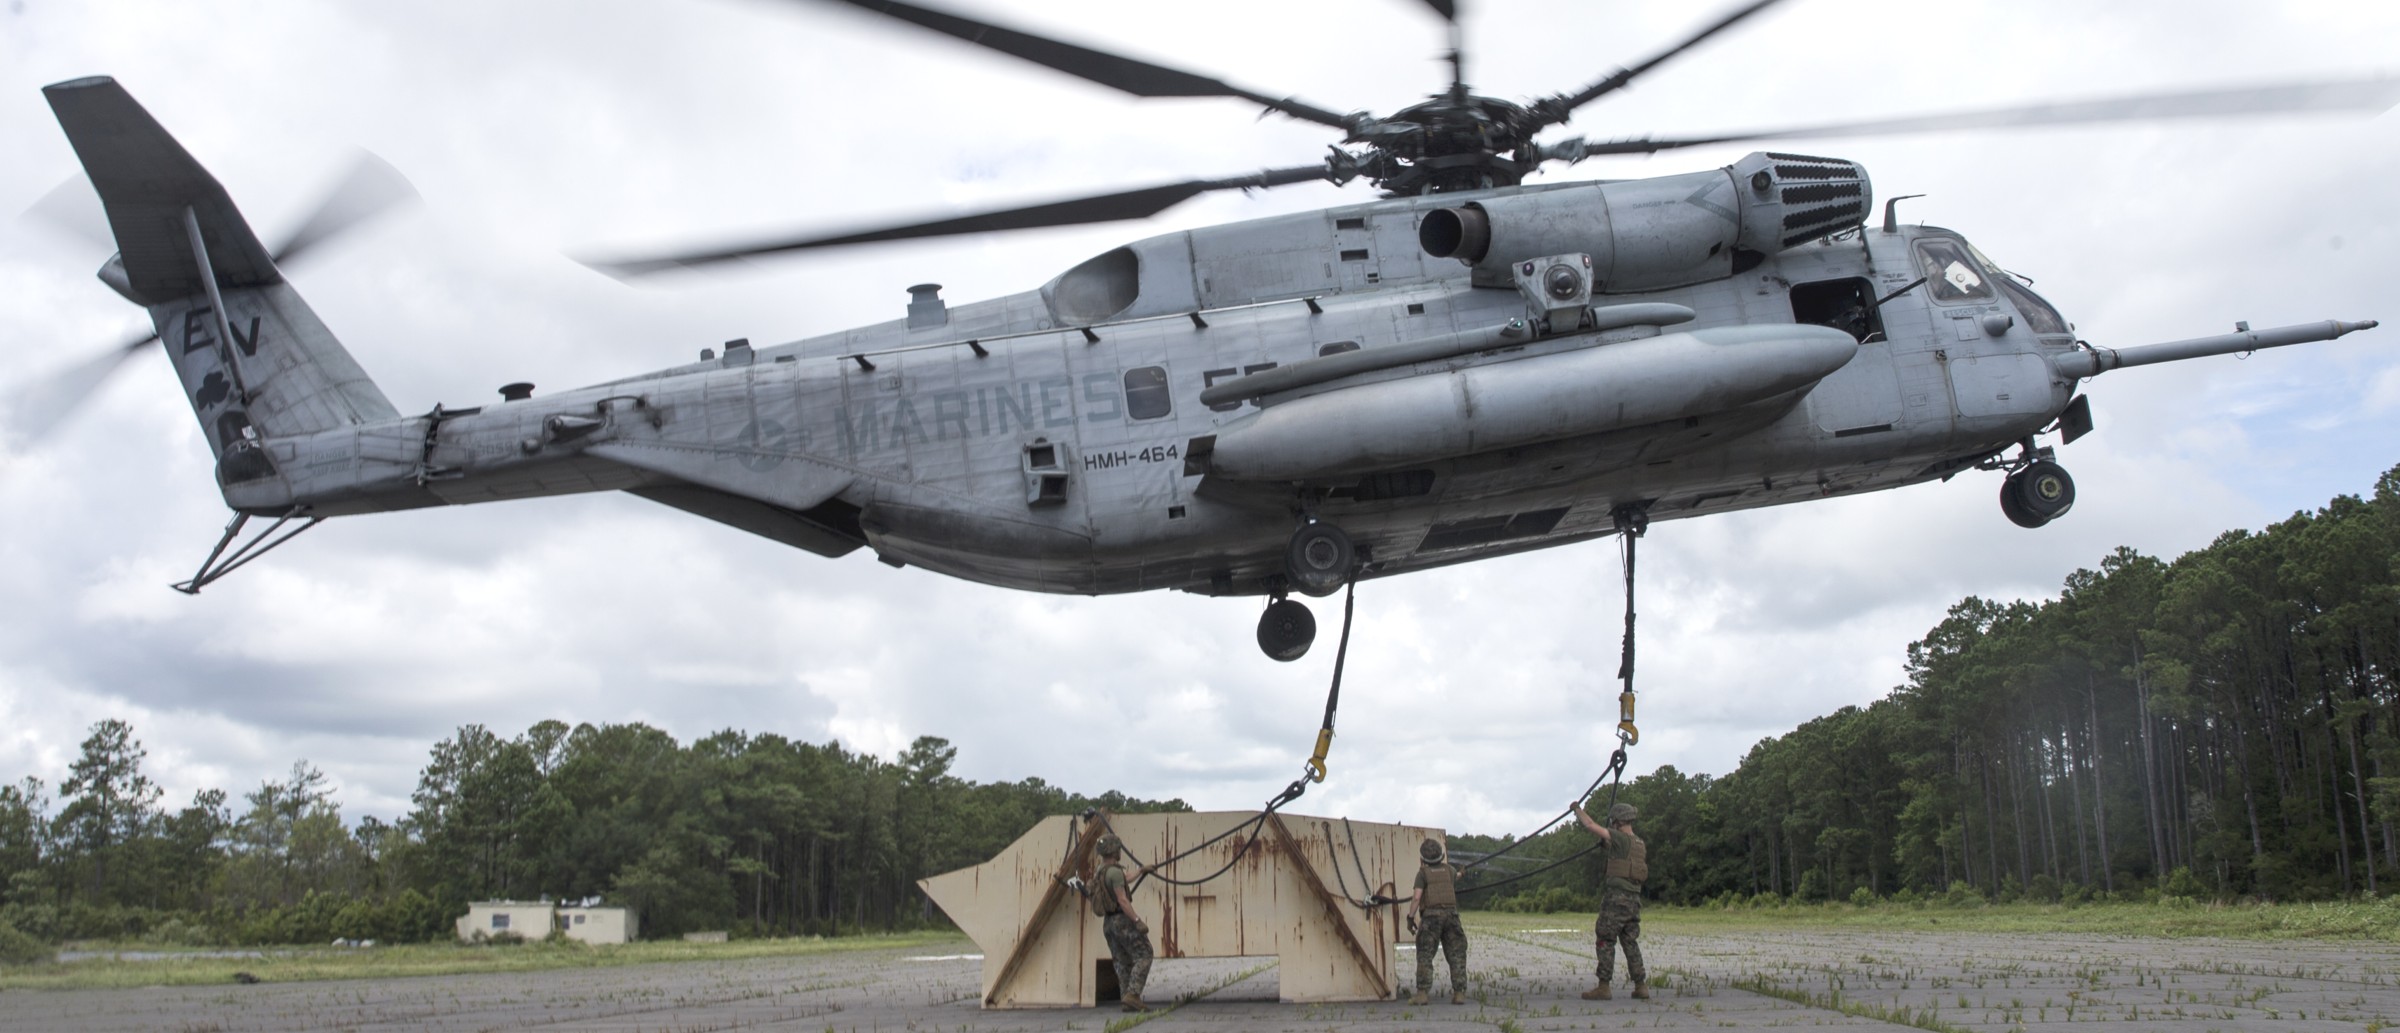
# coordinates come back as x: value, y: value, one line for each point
x: 146, y: 181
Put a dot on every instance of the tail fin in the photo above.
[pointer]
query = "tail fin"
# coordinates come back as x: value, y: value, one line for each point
x: 254, y: 360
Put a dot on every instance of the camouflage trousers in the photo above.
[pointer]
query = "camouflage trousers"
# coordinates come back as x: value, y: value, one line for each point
x: 1129, y: 951
x: 1438, y: 929
x: 1620, y: 922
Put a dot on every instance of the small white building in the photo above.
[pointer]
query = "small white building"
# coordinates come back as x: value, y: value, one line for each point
x: 534, y: 920
x: 488, y: 918
x: 597, y: 924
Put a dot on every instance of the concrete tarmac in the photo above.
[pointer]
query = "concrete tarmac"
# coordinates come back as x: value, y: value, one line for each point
x: 1524, y: 981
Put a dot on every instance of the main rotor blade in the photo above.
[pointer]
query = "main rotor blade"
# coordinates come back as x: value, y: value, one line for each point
x: 1126, y: 204
x: 1140, y: 78
x: 2366, y: 95
x: 371, y: 188
x: 73, y: 209
x: 1448, y: 9
x: 1553, y: 110
x: 34, y: 410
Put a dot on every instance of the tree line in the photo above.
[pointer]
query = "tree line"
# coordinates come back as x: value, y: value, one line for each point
x: 759, y: 834
x: 2222, y: 726
x: 2225, y: 725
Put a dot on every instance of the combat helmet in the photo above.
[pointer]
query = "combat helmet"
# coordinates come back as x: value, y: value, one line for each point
x: 1110, y: 846
x: 1619, y: 813
x: 1430, y: 850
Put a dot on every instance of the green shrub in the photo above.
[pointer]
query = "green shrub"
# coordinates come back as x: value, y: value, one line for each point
x: 1907, y: 897
x: 2042, y: 889
x: 16, y: 948
x: 1862, y: 897
x: 2182, y: 883
x: 181, y: 931
x: 37, y: 920
x: 1962, y: 895
x: 358, y: 920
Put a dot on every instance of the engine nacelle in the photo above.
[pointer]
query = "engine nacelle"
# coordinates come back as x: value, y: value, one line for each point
x: 1648, y: 234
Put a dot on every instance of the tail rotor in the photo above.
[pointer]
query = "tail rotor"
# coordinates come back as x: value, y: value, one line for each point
x: 31, y: 412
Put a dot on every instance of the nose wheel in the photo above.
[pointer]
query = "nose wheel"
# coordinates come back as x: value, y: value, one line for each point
x: 2039, y: 493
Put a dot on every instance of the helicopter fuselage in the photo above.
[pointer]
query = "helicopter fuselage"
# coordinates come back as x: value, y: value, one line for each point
x: 1046, y: 440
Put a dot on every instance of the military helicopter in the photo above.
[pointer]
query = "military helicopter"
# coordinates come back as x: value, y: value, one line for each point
x: 1468, y: 366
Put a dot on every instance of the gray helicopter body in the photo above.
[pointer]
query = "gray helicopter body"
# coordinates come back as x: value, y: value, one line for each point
x: 1468, y: 367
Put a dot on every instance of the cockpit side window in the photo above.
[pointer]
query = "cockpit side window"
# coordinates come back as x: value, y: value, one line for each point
x: 1950, y: 276
x: 2039, y: 316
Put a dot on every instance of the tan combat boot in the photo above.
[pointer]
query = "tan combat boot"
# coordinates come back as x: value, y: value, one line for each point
x: 1597, y: 993
x: 1641, y: 991
x: 1418, y: 998
x: 1457, y: 997
x: 1133, y: 1003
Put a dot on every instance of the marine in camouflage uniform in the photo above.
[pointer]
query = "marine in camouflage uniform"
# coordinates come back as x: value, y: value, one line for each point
x: 1620, y: 919
x: 1128, y: 936
x: 1438, y: 929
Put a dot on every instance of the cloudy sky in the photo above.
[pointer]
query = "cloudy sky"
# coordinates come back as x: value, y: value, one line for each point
x: 1478, y: 698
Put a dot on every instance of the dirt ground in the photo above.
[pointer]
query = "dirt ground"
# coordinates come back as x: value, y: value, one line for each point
x: 1521, y: 980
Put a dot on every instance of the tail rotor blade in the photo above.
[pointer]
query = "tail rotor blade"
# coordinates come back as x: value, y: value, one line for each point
x: 35, y: 410
x: 371, y: 188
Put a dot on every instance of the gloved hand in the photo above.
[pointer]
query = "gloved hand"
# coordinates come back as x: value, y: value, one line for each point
x: 1412, y: 925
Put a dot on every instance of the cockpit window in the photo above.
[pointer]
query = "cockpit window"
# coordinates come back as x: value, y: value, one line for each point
x: 1950, y: 276
x: 2039, y: 316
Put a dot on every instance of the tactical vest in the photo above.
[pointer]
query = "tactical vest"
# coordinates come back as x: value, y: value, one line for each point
x: 1104, y: 899
x: 1440, y: 886
x: 1634, y: 865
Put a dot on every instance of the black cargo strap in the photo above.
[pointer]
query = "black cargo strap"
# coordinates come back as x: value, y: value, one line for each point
x: 1312, y: 771
x: 1632, y: 521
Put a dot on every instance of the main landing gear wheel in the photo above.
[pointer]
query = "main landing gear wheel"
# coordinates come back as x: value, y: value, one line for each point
x: 1286, y: 630
x: 2039, y: 493
x: 1319, y: 559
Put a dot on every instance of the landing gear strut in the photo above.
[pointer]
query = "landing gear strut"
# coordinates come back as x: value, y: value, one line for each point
x: 1320, y: 559
x: 2037, y: 489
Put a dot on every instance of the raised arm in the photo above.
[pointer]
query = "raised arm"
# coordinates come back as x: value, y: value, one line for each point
x: 1596, y: 828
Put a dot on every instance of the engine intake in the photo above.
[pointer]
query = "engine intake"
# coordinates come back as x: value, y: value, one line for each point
x: 1648, y: 234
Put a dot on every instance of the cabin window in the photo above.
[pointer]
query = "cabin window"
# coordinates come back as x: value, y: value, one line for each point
x: 1146, y: 395
x: 499, y: 920
x: 1845, y: 305
x: 1950, y: 276
x: 1337, y: 347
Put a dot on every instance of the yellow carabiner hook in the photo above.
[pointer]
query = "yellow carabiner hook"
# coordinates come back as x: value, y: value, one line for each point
x: 1626, y: 732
